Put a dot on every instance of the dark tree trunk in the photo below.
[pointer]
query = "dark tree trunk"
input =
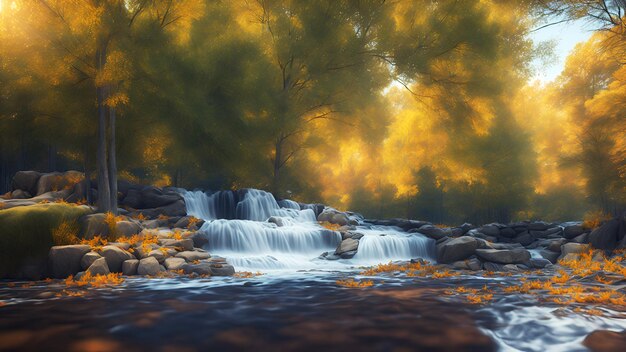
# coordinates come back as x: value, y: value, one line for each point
x: 104, y: 192
x: 112, y: 161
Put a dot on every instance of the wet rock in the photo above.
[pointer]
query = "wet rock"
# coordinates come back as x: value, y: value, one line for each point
x: 153, y: 197
x: 539, y: 262
x: 129, y: 267
x: 199, y: 240
x: 609, y: 235
x: 174, y: 263
x: 605, y: 341
x: 524, y: 238
x: 433, y: 231
x: 572, y: 230
x: 88, y: 259
x: 538, y: 226
x: 356, y: 235
x: 190, y: 256
x: 456, y: 249
x: 546, y: 233
x: 65, y: 260
x: 468, y: 264
x: 334, y: 216
x: 347, y: 255
x: 507, y: 232
x: 583, y: 238
x: 202, y: 268
x: 493, y: 266
x: 490, y: 230
x: 504, y: 256
x: 99, y: 267
x: 550, y: 255
x: 347, y: 245
x: 555, y: 245
x: 276, y: 220
x: 115, y: 256
x: 222, y: 270
x: 510, y: 268
x: 148, y: 266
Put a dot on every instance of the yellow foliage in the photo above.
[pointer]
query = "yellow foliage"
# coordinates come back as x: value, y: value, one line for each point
x: 479, y: 299
x: 351, y: 283
x: 246, y: 274
x: 595, y: 219
x: 96, y: 243
x: 329, y: 226
x: 65, y: 233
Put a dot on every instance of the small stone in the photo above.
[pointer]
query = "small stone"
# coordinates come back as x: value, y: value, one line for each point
x: 174, y: 263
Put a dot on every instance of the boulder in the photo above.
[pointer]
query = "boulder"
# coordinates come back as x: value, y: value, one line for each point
x: 347, y: 255
x: 98, y: 267
x: 129, y: 267
x: 468, y: 264
x: 504, y: 256
x: 493, y: 266
x: 334, y: 216
x: 433, y: 231
x: 539, y: 262
x: 280, y: 222
x: 222, y: 270
x: 132, y: 199
x: 605, y: 341
x: 65, y: 260
x: 88, y: 259
x: 148, y: 266
x: 490, y: 230
x: 582, y: 238
x: 153, y: 197
x: 524, y: 238
x: 20, y: 194
x: 573, y: 230
x: 127, y: 228
x: 507, y: 232
x: 538, y: 226
x: 199, y: 240
x: 115, y: 256
x: 174, y: 263
x: 158, y: 254
x: 202, y: 268
x: 456, y: 249
x: 57, y: 181
x: 190, y: 256
x: 573, y: 248
x: 25, y: 181
x: 609, y: 235
x: 555, y: 245
x: 347, y: 245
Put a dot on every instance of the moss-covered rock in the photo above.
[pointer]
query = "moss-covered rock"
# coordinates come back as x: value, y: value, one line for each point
x: 26, y: 235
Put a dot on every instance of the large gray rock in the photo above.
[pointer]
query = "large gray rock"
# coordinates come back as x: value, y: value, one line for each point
x: 504, y: 256
x: 88, y: 259
x: 524, y: 238
x: 57, y: 181
x: 490, y: 230
x: 610, y: 235
x: 334, y: 216
x: 153, y: 197
x: 148, y: 266
x: 174, y: 263
x: 202, y: 268
x: 115, y: 256
x: 347, y: 245
x: 222, y: 270
x: 573, y: 230
x: 433, y: 232
x: 132, y: 199
x: 127, y: 228
x: 129, y: 267
x: 456, y: 249
x: 20, y: 194
x: 569, y: 248
x: 65, y: 260
x: 158, y: 254
x: 99, y: 267
x: 26, y: 181
x: 539, y: 262
x: 553, y: 257
x: 190, y: 256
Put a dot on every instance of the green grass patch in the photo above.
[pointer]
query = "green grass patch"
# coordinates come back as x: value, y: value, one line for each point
x: 26, y: 233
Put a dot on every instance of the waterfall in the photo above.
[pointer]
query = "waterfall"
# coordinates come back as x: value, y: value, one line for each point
x: 253, y: 231
x: 383, y: 244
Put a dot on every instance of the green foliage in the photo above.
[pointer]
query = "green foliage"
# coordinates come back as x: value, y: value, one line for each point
x: 26, y: 233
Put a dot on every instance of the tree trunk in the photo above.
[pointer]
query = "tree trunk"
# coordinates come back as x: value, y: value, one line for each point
x: 112, y: 161
x: 104, y: 192
x: 277, y: 165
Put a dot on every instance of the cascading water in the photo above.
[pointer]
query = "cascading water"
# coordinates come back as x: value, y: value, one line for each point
x: 236, y: 227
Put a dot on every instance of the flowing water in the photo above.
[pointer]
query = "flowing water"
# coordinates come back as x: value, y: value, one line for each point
x: 296, y: 304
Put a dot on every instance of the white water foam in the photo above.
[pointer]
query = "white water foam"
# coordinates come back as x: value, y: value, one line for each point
x: 250, y: 242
